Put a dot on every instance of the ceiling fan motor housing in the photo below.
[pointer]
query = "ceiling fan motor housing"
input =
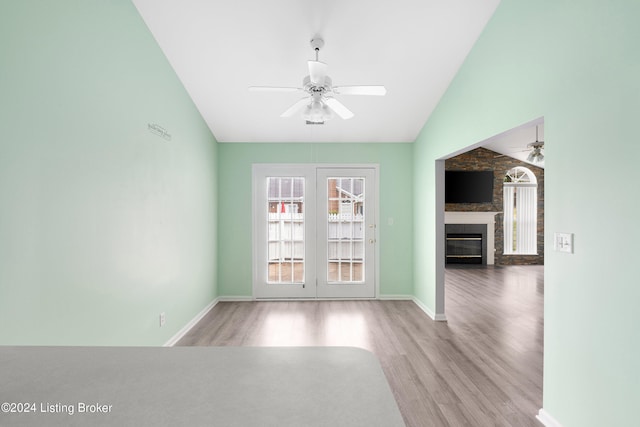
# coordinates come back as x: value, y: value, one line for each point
x: 312, y: 89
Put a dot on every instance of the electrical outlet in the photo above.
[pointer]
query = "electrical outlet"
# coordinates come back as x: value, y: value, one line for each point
x: 163, y: 319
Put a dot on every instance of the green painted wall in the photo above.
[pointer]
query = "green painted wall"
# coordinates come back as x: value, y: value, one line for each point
x: 103, y: 225
x: 396, y: 241
x: 578, y: 65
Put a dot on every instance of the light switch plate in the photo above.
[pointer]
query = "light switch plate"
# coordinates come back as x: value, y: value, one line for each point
x: 563, y: 242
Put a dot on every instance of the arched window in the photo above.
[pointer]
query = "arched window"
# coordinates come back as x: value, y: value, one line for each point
x: 520, y: 212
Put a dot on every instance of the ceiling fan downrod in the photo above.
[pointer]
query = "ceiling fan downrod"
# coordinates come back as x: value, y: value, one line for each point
x: 317, y: 44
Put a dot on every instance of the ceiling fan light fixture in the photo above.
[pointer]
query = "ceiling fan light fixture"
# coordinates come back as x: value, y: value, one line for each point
x: 326, y: 112
x: 535, y: 156
x: 317, y: 112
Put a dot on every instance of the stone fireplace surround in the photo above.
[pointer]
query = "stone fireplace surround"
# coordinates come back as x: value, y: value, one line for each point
x: 487, y: 218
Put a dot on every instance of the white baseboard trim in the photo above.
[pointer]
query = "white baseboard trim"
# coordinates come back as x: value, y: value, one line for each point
x: 427, y: 310
x: 182, y: 332
x: 235, y: 299
x: 388, y: 297
x: 545, y: 418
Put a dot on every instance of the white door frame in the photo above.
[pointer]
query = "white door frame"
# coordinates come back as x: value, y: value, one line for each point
x: 276, y: 169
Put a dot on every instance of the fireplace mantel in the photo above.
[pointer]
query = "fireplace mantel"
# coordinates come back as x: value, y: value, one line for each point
x: 487, y: 218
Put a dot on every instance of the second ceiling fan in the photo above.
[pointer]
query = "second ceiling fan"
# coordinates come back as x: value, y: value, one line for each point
x: 320, y: 103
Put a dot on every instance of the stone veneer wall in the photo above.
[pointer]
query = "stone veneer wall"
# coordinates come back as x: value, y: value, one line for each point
x: 483, y: 159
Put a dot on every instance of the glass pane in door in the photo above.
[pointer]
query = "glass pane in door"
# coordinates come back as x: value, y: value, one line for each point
x: 345, y: 229
x: 285, y: 235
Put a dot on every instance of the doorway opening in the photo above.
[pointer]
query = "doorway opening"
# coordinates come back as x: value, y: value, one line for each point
x: 500, y: 154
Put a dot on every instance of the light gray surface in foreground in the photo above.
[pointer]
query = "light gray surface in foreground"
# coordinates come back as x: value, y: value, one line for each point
x: 214, y: 386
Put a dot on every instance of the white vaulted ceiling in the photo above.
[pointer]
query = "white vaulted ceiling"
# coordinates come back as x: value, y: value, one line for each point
x: 515, y: 142
x: 219, y: 48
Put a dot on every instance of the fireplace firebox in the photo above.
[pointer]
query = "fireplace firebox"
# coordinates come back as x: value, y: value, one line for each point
x: 466, y: 244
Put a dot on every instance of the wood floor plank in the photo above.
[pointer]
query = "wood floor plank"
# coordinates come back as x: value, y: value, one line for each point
x: 483, y: 367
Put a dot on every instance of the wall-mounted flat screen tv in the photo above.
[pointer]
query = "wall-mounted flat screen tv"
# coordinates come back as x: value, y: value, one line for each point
x: 468, y: 187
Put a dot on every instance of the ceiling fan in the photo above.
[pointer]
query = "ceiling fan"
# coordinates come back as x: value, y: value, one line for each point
x: 536, y: 153
x: 319, y: 103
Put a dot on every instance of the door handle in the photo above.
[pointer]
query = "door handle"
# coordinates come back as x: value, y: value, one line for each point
x: 372, y: 241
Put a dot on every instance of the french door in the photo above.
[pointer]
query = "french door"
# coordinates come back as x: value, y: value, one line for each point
x: 346, y: 233
x: 314, y: 231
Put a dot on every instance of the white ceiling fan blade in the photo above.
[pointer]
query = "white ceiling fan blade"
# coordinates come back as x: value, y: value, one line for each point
x: 511, y: 152
x: 317, y: 72
x: 296, y: 107
x: 338, y: 108
x: 360, y: 90
x: 273, y: 89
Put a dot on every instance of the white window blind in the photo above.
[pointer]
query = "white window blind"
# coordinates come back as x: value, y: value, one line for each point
x: 520, y: 212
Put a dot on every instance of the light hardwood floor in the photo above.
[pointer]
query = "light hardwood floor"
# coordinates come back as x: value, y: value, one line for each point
x: 483, y: 367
